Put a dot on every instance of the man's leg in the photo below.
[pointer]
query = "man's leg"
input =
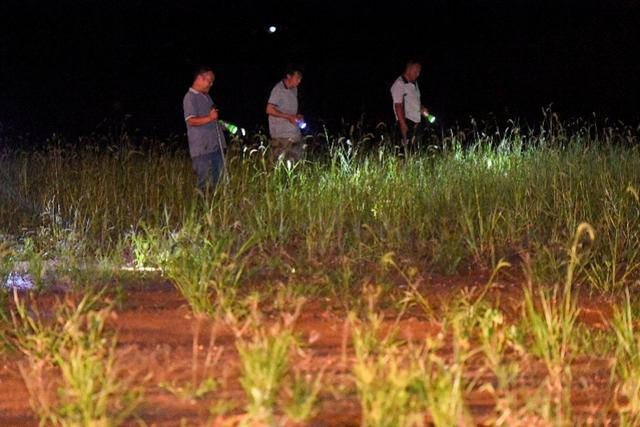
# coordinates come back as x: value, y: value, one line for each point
x: 295, y: 150
x: 411, y: 133
x: 201, y: 166
x: 417, y: 134
x: 398, y: 133
x: 217, y: 167
x: 277, y: 147
x: 406, y: 144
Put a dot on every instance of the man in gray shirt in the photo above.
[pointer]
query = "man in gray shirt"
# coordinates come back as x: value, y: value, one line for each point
x: 282, y: 109
x: 206, y: 140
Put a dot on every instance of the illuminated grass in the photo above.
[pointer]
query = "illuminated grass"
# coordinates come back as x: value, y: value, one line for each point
x: 495, y: 197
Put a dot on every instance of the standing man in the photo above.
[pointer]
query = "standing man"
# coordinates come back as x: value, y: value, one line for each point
x: 206, y: 140
x: 406, y: 103
x: 282, y: 109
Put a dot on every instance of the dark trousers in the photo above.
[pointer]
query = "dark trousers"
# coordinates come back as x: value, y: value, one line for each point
x: 415, y: 133
x: 286, y: 148
x: 208, y: 168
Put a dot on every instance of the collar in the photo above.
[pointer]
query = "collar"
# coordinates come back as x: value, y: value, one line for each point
x: 192, y: 90
x: 406, y: 81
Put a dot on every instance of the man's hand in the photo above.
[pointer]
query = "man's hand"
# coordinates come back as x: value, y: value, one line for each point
x: 423, y: 110
x: 291, y: 118
x: 203, y: 120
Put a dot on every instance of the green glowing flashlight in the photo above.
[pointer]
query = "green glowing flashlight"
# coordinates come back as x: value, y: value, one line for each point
x: 430, y: 117
x: 233, y: 129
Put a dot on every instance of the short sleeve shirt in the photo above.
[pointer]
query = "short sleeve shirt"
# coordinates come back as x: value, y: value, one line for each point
x: 408, y: 94
x: 203, y: 139
x: 286, y: 101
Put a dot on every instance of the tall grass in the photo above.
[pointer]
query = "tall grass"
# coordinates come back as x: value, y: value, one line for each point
x: 480, y: 198
x: 6, y: 264
x: 204, y: 264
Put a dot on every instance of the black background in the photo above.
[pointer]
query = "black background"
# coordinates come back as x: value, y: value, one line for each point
x: 78, y: 67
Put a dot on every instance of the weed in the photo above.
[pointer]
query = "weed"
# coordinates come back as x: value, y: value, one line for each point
x: 627, y: 363
x: 264, y: 360
x: 302, y: 396
x: 92, y: 390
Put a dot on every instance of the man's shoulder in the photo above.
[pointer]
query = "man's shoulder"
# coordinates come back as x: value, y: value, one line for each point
x: 189, y: 94
x: 277, y: 87
x: 398, y: 81
x: 398, y: 84
x: 277, y: 92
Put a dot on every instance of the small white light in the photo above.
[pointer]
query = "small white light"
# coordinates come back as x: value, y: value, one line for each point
x: 243, y: 131
x: 272, y: 29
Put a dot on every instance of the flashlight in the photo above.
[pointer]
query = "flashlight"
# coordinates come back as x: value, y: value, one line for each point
x: 233, y: 129
x: 430, y: 117
x: 302, y: 124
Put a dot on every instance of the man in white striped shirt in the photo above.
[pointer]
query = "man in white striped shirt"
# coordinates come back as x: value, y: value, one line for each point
x: 407, y: 107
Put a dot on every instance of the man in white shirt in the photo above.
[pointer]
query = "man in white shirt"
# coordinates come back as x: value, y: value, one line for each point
x: 407, y: 106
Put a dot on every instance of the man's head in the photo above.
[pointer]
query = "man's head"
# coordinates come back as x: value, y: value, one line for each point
x: 292, y: 77
x: 412, y: 70
x: 203, y: 78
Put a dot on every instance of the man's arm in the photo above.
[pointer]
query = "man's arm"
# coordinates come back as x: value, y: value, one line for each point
x: 273, y: 111
x: 203, y: 120
x: 402, y: 123
x: 397, y: 94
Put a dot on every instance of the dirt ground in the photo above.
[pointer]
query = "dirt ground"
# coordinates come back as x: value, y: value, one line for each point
x: 157, y: 336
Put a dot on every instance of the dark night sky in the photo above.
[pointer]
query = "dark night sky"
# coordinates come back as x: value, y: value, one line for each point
x: 66, y: 66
